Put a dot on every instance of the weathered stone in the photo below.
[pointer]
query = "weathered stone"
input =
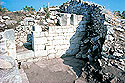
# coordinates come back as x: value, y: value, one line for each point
x: 94, y: 40
x: 10, y: 75
x: 6, y: 17
x: 5, y: 64
x: 86, y: 40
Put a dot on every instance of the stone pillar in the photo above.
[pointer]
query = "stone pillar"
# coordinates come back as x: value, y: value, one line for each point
x: 68, y: 19
x: 10, y: 42
x: 36, y: 28
x: 75, y: 20
x: 3, y: 47
x: 39, y: 41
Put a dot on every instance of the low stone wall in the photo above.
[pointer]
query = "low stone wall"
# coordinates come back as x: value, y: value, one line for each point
x: 53, y: 43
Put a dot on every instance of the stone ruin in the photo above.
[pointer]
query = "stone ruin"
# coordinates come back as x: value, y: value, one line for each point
x: 98, y: 40
x: 8, y: 68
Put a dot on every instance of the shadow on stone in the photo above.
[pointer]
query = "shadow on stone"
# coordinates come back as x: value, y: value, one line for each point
x: 74, y: 63
x: 28, y: 44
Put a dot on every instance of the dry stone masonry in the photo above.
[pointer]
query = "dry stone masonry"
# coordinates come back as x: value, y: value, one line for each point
x: 90, y: 34
x: 100, y: 39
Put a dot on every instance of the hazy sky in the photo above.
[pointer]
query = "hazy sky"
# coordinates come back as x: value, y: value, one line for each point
x: 19, y: 4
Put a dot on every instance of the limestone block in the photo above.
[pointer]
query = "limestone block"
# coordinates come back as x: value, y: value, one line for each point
x: 50, y: 47
x: 41, y: 40
x: 52, y: 34
x: 65, y: 30
x: 59, y: 30
x: 51, y: 56
x: 25, y: 55
x: 42, y: 34
x: 12, y: 52
x: 9, y: 34
x: 68, y: 19
x: 3, y: 44
x: 41, y: 53
x: 58, y: 46
x: 63, y: 20
x: 51, y: 51
x: 59, y: 42
x: 5, y: 64
x: 74, y: 20
x: 36, y: 34
x: 59, y: 37
x: 59, y: 53
x: 10, y: 75
x: 42, y: 47
x: 10, y: 42
x: 50, y: 38
x: 37, y: 28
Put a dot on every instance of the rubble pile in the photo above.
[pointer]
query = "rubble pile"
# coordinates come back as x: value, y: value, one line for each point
x: 10, y: 20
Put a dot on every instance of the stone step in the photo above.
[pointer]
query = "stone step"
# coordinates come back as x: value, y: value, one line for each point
x: 25, y: 55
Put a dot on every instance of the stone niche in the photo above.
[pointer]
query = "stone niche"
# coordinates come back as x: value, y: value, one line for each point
x: 68, y: 19
x: 73, y: 19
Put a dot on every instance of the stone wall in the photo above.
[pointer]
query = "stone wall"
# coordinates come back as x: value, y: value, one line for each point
x: 99, y: 40
x: 53, y: 43
x: 21, y: 33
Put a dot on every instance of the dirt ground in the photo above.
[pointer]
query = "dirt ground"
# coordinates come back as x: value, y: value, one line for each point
x: 62, y: 70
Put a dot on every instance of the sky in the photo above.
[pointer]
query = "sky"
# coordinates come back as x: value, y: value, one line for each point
x: 15, y: 5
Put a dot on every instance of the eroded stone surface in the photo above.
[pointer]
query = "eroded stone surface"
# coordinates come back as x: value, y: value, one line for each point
x: 10, y: 75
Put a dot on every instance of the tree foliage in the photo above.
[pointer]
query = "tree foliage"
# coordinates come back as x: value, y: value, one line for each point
x: 29, y: 9
x: 3, y: 10
x: 46, y: 10
x: 118, y: 13
x: 123, y: 14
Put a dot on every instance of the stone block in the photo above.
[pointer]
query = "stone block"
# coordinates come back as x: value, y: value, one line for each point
x: 41, y: 53
x: 10, y: 42
x: 51, y: 51
x: 50, y: 47
x: 51, y: 56
x: 41, y: 47
x: 40, y: 40
x: 59, y: 53
x: 36, y: 34
x: 5, y: 64
x: 25, y: 55
x: 37, y: 28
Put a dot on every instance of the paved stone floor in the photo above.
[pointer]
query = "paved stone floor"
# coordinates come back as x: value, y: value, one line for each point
x: 62, y: 70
